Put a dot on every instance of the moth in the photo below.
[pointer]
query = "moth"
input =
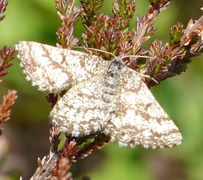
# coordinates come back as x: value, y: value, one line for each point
x: 102, y: 96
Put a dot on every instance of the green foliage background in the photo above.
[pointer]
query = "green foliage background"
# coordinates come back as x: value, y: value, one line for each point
x: 181, y: 97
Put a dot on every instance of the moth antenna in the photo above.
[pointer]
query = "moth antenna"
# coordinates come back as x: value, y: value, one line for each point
x: 123, y: 57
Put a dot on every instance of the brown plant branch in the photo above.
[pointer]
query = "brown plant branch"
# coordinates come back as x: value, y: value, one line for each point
x: 68, y: 14
x: 100, y: 140
x: 6, y: 56
x: 8, y: 101
x: 3, y: 5
x: 172, y: 59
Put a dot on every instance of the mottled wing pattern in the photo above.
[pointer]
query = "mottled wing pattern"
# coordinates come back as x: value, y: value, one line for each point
x: 103, y: 96
x: 80, y: 111
x: 140, y: 120
x: 117, y: 103
x: 88, y: 106
x: 54, y: 69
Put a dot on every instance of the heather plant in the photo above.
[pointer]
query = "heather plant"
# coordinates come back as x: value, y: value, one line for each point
x: 106, y: 35
x: 6, y: 57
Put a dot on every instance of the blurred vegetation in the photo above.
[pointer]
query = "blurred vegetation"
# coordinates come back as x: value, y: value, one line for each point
x: 181, y: 97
